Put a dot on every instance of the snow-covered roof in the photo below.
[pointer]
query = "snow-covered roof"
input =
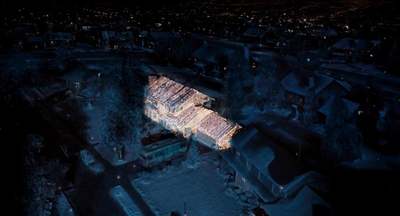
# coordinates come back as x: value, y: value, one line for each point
x: 328, y: 80
x: 327, y: 106
x: 301, y: 205
x: 172, y: 95
x: 292, y: 84
x: 215, y: 126
x: 175, y: 106
x: 267, y: 156
x: 317, y: 83
x: 209, y: 53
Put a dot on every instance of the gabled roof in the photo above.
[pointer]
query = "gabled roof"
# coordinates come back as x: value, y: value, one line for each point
x: 292, y: 84
x: 327, y: 106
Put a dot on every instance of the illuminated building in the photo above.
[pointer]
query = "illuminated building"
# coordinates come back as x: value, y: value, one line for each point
x: 180, y: 109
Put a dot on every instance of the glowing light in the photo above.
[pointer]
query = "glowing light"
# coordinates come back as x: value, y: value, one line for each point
x: 180, y: 109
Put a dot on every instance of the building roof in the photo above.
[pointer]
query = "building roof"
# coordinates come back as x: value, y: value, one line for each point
x: 317, y: 83
x: 172, y: 95
x: 304, y: 204
x: 215, y: 126
x: 268, y: 157
x: 165, y: 95
x: 209, y: 53
x: 160, y: 144
x: 327, y: 106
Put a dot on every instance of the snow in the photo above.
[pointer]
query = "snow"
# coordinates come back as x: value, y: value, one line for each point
x: 63, y: 206
x: 326, y: 108
x: 250, y: 114
x: 292, y: 84
x: 301, y: 205
x: 126, y: 203
x: 90, y: 162
x: 201, y: 189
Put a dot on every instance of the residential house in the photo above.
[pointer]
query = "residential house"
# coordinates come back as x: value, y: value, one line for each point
x: 264, y: 167
x: 316, y: 88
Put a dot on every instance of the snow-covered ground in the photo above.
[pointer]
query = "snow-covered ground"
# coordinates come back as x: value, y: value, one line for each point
x: 128, y: 206
x: 200, y: 190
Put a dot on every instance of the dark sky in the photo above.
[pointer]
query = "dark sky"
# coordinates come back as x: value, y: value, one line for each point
x: 80, y: 3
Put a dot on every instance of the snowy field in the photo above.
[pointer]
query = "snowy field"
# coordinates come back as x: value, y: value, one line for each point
x: 199, y: 189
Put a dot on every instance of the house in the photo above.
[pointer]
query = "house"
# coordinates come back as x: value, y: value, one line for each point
x: 114, y: 40
x: 349, y: 48
x: 364, y: 75
x: 264, y: 167
x: 325, y: 110
x: 161, y: 40
x: 156, y: 153
x: 179, y: 109
x: 318, y: 88
x: 213, y: 60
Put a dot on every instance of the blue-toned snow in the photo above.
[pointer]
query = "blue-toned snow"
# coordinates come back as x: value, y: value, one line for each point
x: 201, y: 189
